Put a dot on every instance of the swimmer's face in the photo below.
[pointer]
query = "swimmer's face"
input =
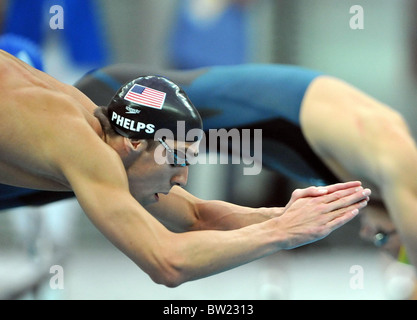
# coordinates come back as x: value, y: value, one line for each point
x: 158, y: 169
x: 377, y: 227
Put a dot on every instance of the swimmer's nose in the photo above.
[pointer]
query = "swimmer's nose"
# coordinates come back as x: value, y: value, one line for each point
x: 180, y: 178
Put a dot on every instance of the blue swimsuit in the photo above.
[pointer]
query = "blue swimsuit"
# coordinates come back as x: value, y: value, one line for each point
x: 252, y: 93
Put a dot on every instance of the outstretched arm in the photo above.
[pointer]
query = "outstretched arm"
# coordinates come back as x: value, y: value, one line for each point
x: 173, y: 258
x: 181, y: 211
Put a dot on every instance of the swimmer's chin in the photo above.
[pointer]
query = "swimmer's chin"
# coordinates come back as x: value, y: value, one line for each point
x: 152, y: 199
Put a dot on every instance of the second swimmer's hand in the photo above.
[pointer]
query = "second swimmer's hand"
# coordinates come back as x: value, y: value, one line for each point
x: 310, y: 218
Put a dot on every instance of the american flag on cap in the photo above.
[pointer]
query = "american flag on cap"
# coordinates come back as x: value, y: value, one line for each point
x: 146, y: 96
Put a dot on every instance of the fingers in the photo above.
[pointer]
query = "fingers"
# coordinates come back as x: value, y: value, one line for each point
x: 347, y: 206
x: 319, y: 191
x: 342, y: 186
x: 340, y: 217
x: 311, y: 218
x: 343, y: 198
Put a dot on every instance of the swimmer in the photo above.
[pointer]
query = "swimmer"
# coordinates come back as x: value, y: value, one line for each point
x: 55, y: 138
x: 14, y: 197
x: 316, y: 129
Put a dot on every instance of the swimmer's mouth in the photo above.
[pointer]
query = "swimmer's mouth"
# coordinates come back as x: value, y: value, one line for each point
x: 156, y: 195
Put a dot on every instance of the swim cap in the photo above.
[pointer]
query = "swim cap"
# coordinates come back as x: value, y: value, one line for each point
x: 149, y: 103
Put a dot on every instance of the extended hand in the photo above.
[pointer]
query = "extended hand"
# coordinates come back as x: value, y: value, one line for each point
x: 313, y: 213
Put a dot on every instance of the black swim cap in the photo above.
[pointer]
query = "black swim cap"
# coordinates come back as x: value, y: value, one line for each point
x: 149, y: 103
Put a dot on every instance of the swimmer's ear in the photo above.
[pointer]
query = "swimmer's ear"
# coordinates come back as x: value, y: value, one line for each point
x: 136, y: 145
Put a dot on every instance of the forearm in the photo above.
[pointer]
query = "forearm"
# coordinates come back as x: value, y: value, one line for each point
x: 180, y: 211
x: 220, y: 215
x: 399, y: 192
x: 402, y: 206
x: 173, y: 258
x: 203, y: 253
